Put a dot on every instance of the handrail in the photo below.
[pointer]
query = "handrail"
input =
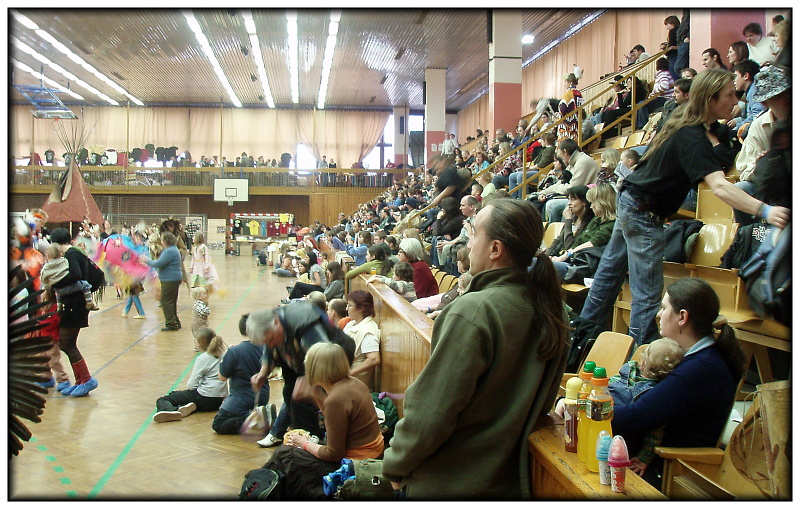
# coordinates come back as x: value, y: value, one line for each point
x: 530, y: 179
x: 218, y: 169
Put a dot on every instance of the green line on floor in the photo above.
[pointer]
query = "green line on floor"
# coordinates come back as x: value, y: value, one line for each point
x: 59, y: 469
x: 127, y: 449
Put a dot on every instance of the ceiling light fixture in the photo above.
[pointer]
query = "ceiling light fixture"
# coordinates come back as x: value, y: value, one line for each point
x: 250, y: 25
x: 57, y: 68
x: 39, y: 76
x: 203, y: 41
x: 570, y: 32
x: 25, y: 21
x: 327, y: 59
x: 527, y: 39
x: 294, y: 64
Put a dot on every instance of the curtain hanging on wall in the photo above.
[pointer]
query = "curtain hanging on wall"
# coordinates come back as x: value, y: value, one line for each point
x: 473, y: 117
x: 322, y: 131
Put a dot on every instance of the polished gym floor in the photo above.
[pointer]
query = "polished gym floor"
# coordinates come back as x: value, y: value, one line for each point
x: 106, y: 445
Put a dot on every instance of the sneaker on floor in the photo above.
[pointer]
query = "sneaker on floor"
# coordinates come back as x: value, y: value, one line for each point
x: 47, y: 384
x: 62, y: 385
x: 138, y: 317
x: 167, y: 416
x: 124, y: 314
x: 269, y: 441
x: 85, y: 388
x: 187, y: 409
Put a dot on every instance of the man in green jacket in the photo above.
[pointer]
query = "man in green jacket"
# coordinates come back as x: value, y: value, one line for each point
x: 497, y: 356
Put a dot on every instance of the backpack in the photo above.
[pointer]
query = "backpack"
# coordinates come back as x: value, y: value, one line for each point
x: 584, y: 264
x: 260, y: 484
x: 390, y: 416
x: 767, y: 276
x: 584, y: 333
x: 745, y: 244
x: 368, y: 483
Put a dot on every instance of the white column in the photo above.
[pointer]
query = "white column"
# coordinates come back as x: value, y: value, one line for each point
x: 435, y: 93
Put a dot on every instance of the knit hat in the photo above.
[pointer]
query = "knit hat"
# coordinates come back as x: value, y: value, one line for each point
x: 771, y: 81
x: 60, y: 236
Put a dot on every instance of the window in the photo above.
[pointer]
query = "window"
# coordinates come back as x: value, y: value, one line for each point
x: 305, y: 159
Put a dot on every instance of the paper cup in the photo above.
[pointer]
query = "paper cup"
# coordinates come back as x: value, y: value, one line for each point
x: 618, y: 479
x: 605, y: 473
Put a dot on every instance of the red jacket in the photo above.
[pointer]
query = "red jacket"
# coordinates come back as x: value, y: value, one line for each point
x: 424, y: 282
x: 50, y: 329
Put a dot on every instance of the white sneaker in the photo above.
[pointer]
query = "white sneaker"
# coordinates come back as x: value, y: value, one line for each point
x: 269, y: 441
x: 124, y: 314
x: 187, y: 409
x: 167, y: 416
x: 139, y: 317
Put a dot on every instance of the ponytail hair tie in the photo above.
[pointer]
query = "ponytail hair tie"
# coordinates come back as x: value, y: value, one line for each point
x: 718, y: 324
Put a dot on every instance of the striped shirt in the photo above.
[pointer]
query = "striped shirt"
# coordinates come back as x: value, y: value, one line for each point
x: 663, y: 86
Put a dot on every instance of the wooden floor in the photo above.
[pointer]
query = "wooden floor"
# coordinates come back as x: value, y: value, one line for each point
x: 106, y: 446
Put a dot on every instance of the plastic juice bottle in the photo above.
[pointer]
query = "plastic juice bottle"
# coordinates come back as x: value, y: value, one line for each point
x: 571, y: 414
x: 583, y: 399
x: 600, y: 411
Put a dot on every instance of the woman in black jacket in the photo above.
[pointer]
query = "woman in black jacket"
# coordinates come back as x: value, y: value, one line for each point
x: 74, y: 315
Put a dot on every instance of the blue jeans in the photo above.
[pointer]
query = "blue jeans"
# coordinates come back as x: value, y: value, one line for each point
x: 644, y: 112
x: 561, y: 269
x: 434, y: 251
x: 281, y: 422
x: 515, y: 179
x: 682, y: 60
x: 740, y: 217
x: 134, y: 299
x: 637, y: 242
x: 554, y: 209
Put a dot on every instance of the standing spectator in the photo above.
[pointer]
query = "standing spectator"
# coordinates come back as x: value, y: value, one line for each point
x: 170, y: 274
x: 712, y: 59
x: 570, y: 101
x: 682, y: 37
x: 323, y: 163
x: 762, y: 49
x: 683, y: 154
x: 449, y: 145
x: 475, y: 410
x: 662, y: 91
x: 671, y: 45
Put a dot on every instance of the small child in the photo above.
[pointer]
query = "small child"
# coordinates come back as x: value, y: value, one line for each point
x: 200, y: 312
x: 50, y: 330
x: 56, y: 269
x: 634, y: 379
x: 463, y: 283
x: 337, y: 312
x: 402, y: 282
x: 205, y: 390
x: 318, y: 299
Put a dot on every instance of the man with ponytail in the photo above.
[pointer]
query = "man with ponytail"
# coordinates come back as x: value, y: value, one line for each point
x: 497, y: 356
x: 684, y: 153
x: 694, y: 401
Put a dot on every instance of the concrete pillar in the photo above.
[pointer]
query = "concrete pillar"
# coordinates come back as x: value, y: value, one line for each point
x: 505, y: 70
x: 718, y: 28
x: 435, y: 95
x: 400, y: 134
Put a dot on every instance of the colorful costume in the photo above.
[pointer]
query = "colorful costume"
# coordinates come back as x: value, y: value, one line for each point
x: 203, y: 271
x: 571, y: 101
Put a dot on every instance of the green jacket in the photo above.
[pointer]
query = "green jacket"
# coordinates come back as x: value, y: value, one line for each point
x: 364, y: 268
x: 469, y: 412
x: 597, y: 232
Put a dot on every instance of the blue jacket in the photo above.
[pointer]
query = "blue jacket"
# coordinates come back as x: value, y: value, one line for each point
x: 359, y: 254
x: 168, y: 264
x: 692, y: 403
x: 624, y: 390
x: 338, y: 244
x: 752, y: 110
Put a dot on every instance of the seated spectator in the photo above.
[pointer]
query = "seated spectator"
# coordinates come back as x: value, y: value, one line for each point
x: 239, y: 363
x: 377, y: 260
x: 335, y: 278
x: 761, y: 49
x: 688, y: 73
x: 424, y: 283
x: 737, y: 52
x: 337, y: 313
x: 481, y: 163
x: 627, y: 161
x: 316, y: 276
x: 773, y: 89
x: 713, y: 360
x: 746, y: 112
x: 319, y: 300
x: 595, y: 233
x: 440, y: 300
x: 681, y: 95
x: 609, y: 160
x: 584, y: 172
x: 351, y: 427
x: 477, y: 189
x: 662, y: 91
x: 542, y: 160
x: 638, y: 54
x: 783, y: 37
x: 366, y: 334
x: 485, y: 180
x: 359, y: 253
x: 712, y: 59
x: 445, y: 249
x: 402, y: 282
x: 624, y: 101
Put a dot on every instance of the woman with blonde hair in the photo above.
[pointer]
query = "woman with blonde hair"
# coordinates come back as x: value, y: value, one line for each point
x: 609, y: 159
x: 351, y: 426
x: 684, y: 153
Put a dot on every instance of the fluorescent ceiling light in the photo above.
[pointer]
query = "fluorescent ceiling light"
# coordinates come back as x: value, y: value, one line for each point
x: 39, y: 76
x: 75, y: 58
x: 203, y: 41
x: 25, y: 20
x: 527, y: 39
x: 57, y: 68
x: 259, y: 59
x: 294, y: 64
x: 327, y: 59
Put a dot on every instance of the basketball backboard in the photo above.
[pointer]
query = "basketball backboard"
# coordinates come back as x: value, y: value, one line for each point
x: 230, y: 190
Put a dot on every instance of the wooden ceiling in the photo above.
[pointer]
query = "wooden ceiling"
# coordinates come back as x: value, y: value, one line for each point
x: 379, y: 61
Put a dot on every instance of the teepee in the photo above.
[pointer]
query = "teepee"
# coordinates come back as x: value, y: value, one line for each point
x: 71, y: 200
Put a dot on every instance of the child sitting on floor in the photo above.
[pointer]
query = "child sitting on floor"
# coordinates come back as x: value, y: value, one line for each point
x: 402, y: 282
x: 205, y: 389
x: 200, y: 312
x: 57, y: 269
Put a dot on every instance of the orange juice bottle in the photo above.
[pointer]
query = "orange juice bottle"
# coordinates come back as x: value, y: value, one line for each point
x: 599, y: 412
x: 583, y: 399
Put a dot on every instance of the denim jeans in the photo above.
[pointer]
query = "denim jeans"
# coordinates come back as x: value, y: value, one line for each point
x: 281, y: 423
x: 682, y: 60
x: 743, y: 218
x: 515, y: 179
x: 434, y: 251
x: 134, y: 299
x: 637, y: 242
x: 561, y: 269
x: 554, y: 209
x: 644, y: 112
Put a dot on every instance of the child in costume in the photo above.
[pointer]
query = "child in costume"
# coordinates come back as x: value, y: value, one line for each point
x: 203, y: 271
x: 57, y: 269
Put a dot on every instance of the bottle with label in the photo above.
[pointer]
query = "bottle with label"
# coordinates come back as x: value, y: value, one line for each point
x: 584, y: 448
x: 571, y: 414
x: 599, y: 412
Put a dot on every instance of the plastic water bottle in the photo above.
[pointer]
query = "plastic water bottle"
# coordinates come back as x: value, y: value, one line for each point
x: 585, y: 452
